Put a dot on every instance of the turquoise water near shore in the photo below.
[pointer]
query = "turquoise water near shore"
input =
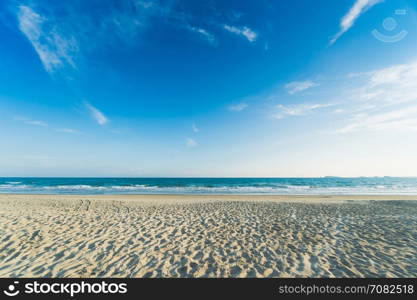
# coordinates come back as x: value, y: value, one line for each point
x: 294, y: 186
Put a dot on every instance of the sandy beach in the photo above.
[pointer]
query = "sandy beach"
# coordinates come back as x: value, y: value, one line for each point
x: 207, y: 236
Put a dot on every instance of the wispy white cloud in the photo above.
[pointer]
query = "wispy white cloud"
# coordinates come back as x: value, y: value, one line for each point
x: 58, y: 32
x: 404, y: 118
x: 67, y: 130
x: 338, y: 111
x: 209, y: 37
x: 299, y: 86
x: 389, y: 86
x: 36, y: 123
x: 404, y: 74
x: 191, y: 142
x: 195, y: 128
x: 386, y: 101
x: 129, y: 22
x: 238, y: 107
x: 31, y: 122
x: 96, y: 114
x: 62, y: 34
x: 298, y: 109
x: 53, y: 49
x: 358, y: 8
x: 244, y: 31
x: 128, y: 18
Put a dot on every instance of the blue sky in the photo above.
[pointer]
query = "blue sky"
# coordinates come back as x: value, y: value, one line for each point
x: 220, y: 88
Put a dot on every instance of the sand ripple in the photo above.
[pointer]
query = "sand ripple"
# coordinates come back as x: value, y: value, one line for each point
x: 89, y: 237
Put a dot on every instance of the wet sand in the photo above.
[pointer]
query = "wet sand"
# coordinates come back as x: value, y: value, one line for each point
x: 208, y: 236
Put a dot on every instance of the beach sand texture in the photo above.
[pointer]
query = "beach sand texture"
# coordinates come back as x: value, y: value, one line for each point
x: 207, y: 236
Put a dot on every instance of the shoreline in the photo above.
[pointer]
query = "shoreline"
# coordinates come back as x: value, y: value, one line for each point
x: 219, y: 197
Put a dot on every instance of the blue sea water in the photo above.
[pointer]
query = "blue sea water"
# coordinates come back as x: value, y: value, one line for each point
x: 296, y: 186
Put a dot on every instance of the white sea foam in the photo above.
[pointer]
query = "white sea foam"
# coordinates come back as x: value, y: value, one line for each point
x: 15, y: 187
x: 76, y: 187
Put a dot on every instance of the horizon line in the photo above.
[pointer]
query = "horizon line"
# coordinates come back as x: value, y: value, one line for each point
x: 210, y: 177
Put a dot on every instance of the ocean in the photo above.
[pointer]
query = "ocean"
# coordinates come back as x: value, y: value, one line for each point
x: 273, y: 186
